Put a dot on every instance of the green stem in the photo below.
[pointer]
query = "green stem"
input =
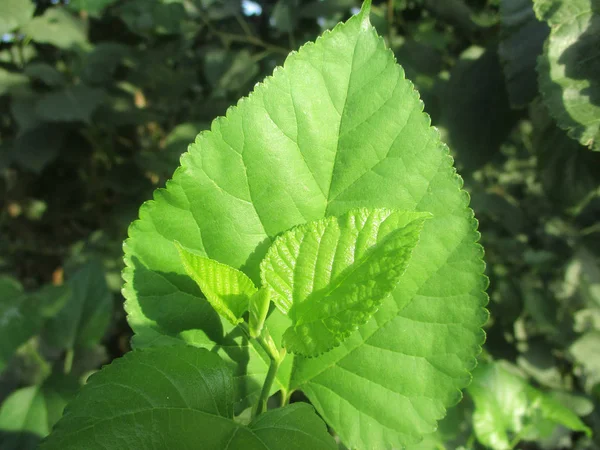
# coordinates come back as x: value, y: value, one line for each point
x: 268, y: 345
x: 69, y: 361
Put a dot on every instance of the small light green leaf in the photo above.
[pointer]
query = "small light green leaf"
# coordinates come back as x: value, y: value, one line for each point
x: 87, y: 312
x: 72, y: 104
x: 506, y: 406
x: 177, y: 397
x: 522, y: 42
x: 15, y: 13
x: 585, y: 353
x: 227, y: 289
x: 331, y: 275
x: 57, y: 27
x: 569, y: 70
x: 258, y: 308
x: 23, y: 315
x: 29, y: 414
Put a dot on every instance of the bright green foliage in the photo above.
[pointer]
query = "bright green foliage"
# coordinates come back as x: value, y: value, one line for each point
x: 331, y: 275
x: 179, y: 398
x: 15, y: 13
x: 523, y: 39
x: 337, y: 128
x: 29, y: 414
x: 23, y: 315
x: 87, y: 312
x: 59, y: 28
x: 508, y: 409
x: 569, y: 70
x: 258, y: 309
x: 228, y: 290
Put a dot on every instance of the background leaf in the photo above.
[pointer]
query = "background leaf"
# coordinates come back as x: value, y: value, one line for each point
x: 14, y: 14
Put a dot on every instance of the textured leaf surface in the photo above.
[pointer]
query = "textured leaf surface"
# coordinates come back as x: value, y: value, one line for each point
x: 507, y: 406
x: 337, y: 128
x: 569, y: 70
x: 228, y: 290
x: 29, y: 414
x: 523, y: 37
x: 331, y: 275
x: 87, y: 312
x: 176, y: 398
x: 15, y: 13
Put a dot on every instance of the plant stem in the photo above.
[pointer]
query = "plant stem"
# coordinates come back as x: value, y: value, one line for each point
x: 69, y: 361
x: 268, y: 345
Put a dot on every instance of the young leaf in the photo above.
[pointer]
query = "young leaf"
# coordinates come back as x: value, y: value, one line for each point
x: 337, y: 128
x: 569, y: 73
x: 258, y: 308
x: 331, y: 275
x: 228, y: 290
x: 15, y: 13
x: 177, y: 397
x: 507, y: 406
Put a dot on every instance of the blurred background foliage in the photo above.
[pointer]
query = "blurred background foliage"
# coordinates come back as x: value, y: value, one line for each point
x: 99, y: 98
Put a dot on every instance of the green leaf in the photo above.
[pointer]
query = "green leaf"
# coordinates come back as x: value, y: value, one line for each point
x: 59, y: 28
x: 87, y: 312
x: 11, y: 81
x: 92, y: 7
x: 14, y: 14
x: 72, y: 104
x: 228, y: 290
x: 337, y: 128
x: 258, y: 309
x: 476, y: 109
x: 46, y: 73
x: 102, y: 62
x: 331, y: 275
x: 522, y: 42
x: 23, y: 315
x: 34, y: 149
x: 569, y: 70
x: 29, y: 414
x: 177, y: 398
x: 507, y: 407
x: 585, y: 353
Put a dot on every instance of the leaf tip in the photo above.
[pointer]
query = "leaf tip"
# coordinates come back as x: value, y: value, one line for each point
x: 365, y: 11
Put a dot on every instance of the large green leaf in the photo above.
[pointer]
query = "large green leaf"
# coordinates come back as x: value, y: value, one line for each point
x: 87, y: 312
x: 29, y: 414
x: 337, y: 128
x: 15, y: 13
x: 569, y: 70
x: 522, y: 42
x: 179, y: 398
x: 23, y: 315
x: 331, y: 275
x: 507, y: 407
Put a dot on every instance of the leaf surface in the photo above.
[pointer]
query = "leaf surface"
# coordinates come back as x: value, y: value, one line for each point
x: 15, y: 13
x: 87, y: 312
x: 59, y: 28
x: 337, y: 128
x: 331, y: 275
x: 507, y: 406
x: 228, y: 290
x: 177, y: 398
x: 569, y: 70
x: 523, y: 37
